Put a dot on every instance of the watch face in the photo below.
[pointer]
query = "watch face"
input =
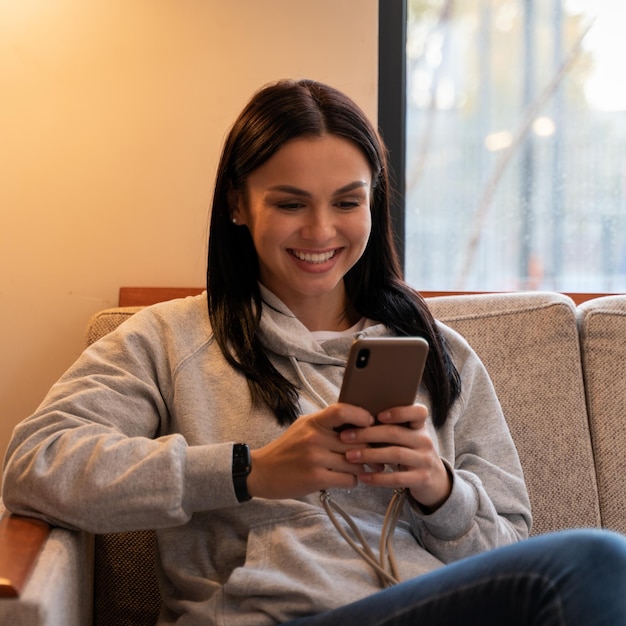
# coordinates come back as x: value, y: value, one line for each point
x: 241, y: 459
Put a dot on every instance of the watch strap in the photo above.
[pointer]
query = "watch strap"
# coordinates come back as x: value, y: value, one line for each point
x: 241, y: 468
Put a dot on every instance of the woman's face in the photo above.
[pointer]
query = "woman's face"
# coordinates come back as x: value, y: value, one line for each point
x: 308, y: 211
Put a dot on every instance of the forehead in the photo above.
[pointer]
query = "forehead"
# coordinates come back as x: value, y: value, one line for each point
x: 314, y: 161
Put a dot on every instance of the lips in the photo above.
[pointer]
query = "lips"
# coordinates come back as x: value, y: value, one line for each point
x: 314, y: 257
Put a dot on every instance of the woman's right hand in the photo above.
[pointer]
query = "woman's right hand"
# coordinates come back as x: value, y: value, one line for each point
x: 309, y: 456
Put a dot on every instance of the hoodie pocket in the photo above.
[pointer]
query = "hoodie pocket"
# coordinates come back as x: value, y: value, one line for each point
x: 298, y: 565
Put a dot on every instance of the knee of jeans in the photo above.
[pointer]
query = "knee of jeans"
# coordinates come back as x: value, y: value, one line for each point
x: 603, y: 548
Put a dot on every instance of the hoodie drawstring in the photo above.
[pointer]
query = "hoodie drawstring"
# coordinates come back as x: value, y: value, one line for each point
x: 385, y: 565
x: 306, y: 384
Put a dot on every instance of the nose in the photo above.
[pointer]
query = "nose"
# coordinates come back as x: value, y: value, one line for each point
x: 319, y: 225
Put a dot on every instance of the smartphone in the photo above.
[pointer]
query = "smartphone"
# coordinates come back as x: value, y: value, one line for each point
x: 383, y: 372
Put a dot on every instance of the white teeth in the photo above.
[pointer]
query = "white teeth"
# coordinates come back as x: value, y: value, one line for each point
x: 314, y: 257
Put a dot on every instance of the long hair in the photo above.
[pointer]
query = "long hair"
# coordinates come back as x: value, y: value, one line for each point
x: 276, y: 114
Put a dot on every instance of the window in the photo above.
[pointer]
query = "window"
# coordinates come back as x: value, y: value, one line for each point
x: 515, y: 144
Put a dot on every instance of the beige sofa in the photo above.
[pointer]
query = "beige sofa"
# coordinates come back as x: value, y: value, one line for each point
x: 560, y: 373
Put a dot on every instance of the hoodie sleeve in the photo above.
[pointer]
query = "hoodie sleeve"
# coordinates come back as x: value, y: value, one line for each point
x: 488, y: 506
x: 98, y: 454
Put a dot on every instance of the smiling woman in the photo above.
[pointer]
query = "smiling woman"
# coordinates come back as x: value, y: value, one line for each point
x: 308, y: 212
x: 147, y: 428
x: 269, y: 134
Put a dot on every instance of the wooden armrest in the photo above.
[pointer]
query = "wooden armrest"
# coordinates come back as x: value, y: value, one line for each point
x: 21, y: 541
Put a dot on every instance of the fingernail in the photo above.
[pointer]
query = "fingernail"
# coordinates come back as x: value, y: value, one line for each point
x: 348, y: 435
x: 353, y: 455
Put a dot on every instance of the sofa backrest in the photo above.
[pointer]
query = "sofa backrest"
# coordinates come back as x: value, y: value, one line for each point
x: 529, y: 345
x: 602, y: 328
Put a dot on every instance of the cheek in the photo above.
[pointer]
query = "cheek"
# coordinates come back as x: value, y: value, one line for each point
x: 267, y: 235
x: 363, y: 230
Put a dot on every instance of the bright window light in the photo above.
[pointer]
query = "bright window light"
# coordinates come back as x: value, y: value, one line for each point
x: 516, y: 145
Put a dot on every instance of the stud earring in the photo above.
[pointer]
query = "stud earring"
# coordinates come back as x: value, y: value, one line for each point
x: 234, y: 220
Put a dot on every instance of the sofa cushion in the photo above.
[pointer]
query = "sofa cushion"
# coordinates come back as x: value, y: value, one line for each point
x: 126, y: 591
x: 529, y: 345
x: 602, y: 327
x: 103, y: 322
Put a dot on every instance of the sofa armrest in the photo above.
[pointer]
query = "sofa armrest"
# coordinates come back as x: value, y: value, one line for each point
x: 21, y: 541
x: 47, y: 574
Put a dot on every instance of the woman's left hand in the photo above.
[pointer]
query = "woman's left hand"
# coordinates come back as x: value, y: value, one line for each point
x: 404, y: 443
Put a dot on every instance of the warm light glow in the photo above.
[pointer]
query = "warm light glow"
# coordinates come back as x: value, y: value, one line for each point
x: 544, y: 127
x: 605, y: 43
x: 498, y: 141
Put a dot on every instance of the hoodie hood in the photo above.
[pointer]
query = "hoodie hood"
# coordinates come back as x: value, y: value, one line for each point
x: 316, y: 368
x: 284, y: 334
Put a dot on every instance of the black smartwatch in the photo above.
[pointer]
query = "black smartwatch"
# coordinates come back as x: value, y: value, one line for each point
x: 242, y: 465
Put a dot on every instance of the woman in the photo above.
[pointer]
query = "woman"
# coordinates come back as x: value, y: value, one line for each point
x: 141, y: 432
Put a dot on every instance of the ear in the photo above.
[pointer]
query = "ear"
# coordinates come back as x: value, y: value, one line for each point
x: 235, y: 205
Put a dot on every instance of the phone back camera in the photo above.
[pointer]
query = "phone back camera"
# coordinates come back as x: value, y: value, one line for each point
x: 362, y: 358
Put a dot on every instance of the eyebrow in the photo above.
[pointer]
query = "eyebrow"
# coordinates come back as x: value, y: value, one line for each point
x: 357, y: 184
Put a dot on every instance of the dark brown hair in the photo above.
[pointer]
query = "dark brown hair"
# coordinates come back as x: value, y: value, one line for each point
x: 277, y: 113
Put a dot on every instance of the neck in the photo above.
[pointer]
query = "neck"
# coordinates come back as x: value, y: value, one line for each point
x: 328, y: 316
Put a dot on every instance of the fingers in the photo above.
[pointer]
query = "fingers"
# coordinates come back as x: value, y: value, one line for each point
x: 392, y: 456
x: 399, y: 440
x: 411, y: 416
x: 424, y: 474
x: 346, y: 417
x: 299, y: 462
x: 340, y: 416
x: 310, y: 455
x: 399, y: 426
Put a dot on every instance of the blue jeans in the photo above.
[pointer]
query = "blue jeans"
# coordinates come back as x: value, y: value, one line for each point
x: 574, y: 577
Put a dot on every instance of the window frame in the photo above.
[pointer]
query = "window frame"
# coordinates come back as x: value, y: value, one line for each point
x: 392, y: 40
x: 392, y: 29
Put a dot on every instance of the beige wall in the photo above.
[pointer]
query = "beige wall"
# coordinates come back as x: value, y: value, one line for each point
x: 112, y: 114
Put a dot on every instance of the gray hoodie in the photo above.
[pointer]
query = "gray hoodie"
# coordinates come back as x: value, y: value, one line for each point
x: 139, y: 433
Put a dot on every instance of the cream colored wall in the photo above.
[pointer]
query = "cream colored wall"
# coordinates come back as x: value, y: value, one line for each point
x: 112, y: 115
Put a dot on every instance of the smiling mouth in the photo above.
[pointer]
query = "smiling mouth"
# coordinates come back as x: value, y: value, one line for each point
x: 314, y: 257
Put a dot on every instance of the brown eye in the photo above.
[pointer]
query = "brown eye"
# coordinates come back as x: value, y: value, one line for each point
x: 348, y: 204
x: 290, y: 206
